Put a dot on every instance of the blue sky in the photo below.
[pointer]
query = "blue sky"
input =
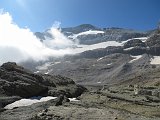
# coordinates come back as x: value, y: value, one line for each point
x: 39, y: 15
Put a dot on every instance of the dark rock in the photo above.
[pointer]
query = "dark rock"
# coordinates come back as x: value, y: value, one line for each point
x: 134, y: 43
x: 17, y: 81
x: 7, y: 100
x: 59, y: 100
x: 154, y: 50
x: 153, y: 40
x: 55, y: 92
x: 69, y: 91
x: 152, y: 99
x: 23, y: 89
x: 11, y: 66
x: 56, y: 80
x: 137, y: 47
x: 136, y: 51
x: 80, y: 28
x: 2, y: 110
x: 62, y: 85
x: 65, y: 99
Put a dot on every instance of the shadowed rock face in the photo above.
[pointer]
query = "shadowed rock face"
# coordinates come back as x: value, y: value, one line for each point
x: 21, y: 83
x: 106, y: 65
x: 154, y: 44
x: 134, y: 43
x: 154, y: 40
x: 109, y: 34
x: 15, y: 80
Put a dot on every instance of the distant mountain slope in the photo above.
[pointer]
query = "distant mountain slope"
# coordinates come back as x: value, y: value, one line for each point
x: 131, y: 60
x: 128, y: 56
x: 79, y: 29
x: 89, y: 34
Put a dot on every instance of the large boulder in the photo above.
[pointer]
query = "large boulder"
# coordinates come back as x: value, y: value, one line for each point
x: 56, y: 80
x: 63, y: 86
x: 69, y: 91
x: 15, y: 80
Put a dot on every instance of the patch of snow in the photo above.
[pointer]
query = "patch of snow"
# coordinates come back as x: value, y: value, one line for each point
x: 135, y: 58
x: 143, y: 39
x: 100, y: 59
x: 90, y: 32
x: 82, y: 48
x: 109, y: 64
x: 128, y: 48
x: 37, y: 72
x: 30, y: 101
x: 56, y: 63
x: 98, y: 82
x: 47, y: 98
x: 155, y: 60
x: 48, y: 72
x: 103, y: 58
x: 73, y: 99
x: 27, y: 102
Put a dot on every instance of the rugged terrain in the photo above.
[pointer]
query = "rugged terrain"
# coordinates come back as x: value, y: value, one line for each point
x: 118, y: 79
x: 125, y: 58
x: 17, y: 82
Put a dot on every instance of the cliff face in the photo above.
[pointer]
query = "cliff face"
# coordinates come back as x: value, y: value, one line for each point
x: 16, y: 82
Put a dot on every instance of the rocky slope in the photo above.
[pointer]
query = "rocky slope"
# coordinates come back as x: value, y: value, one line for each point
x: 110, y: 65
x: 89, y: 34
x: 123, y: 82
x: 16, y: 82
x: 105, y: 105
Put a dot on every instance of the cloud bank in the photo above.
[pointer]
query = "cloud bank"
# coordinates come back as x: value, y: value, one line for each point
x: 59, y: 40
x: 20, y: 44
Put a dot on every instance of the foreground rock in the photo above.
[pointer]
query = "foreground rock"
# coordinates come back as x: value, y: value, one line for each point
x: 17, y: 81
x: 91, y: 106
x: 7, y: 100
x: 154, y: 43
x: 28, y: 112
x: 59, y: 85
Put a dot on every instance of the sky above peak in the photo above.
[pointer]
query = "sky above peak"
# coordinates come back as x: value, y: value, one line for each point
x: 39, y: 15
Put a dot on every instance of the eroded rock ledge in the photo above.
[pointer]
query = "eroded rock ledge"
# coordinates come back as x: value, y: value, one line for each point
x: 17, y: 82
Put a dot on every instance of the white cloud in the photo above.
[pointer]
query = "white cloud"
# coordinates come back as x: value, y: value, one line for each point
x: 59, y: 41
x: 56, y: 24
x: 19, y: 44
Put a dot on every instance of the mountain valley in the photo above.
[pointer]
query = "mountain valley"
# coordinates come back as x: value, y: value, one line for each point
x: 112, y: 74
